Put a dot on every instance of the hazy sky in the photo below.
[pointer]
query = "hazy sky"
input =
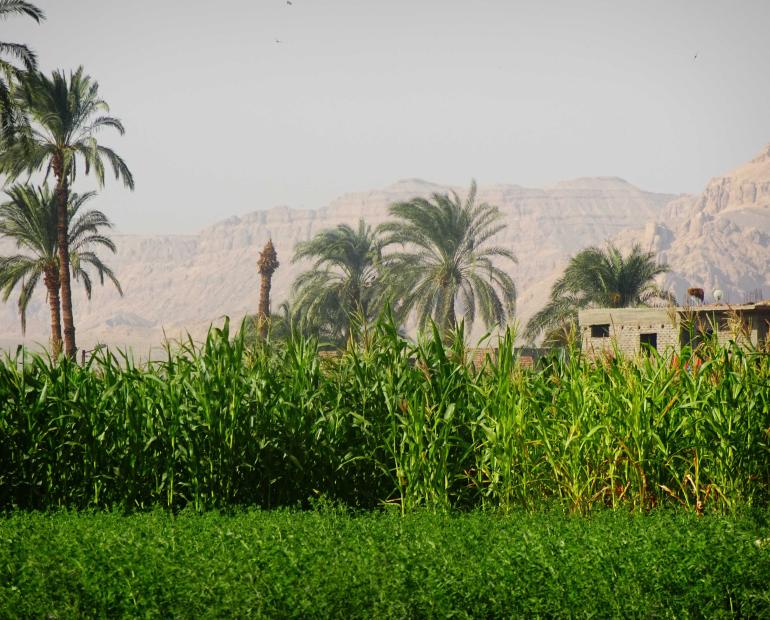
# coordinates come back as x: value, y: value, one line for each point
x: 223, y: 120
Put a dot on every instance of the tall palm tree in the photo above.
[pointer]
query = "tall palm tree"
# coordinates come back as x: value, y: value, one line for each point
x: 10, y: 52
x: 341, y: 287
x: 446, y: 262
x: 597, y: 277
x: 29, y: 217
x: 64, y: 113
x: 266, y: 265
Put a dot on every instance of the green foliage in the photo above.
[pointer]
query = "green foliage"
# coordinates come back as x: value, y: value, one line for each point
x: 29, y: 219
x: 10, y: 73
x: 326, y: 564
x: 446, y: 261
x: 222, y: 424
x: 339, y: 292
x: 601, y: 278
x: 63, y: 116
x: 17, y: 51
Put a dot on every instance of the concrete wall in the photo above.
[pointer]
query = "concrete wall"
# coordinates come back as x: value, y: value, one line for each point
x: 626, y: 325
x: 745, y: 326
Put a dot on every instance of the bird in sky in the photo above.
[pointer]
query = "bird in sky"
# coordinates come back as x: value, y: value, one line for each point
x: 278, y: 41
x: 696, y: 56
x: 289, y: 2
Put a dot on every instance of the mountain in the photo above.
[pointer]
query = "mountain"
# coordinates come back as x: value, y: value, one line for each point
x: 179, y: 283
x: 719, y: 239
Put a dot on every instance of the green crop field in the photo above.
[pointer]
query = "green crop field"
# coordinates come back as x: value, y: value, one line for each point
x: 325, y: 563
x: 225, y: 424
x: 623, y: 488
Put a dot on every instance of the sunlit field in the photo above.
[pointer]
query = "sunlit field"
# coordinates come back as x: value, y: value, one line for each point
x: 401, y: 480
x: 326, y: 563
x: 232, y: 423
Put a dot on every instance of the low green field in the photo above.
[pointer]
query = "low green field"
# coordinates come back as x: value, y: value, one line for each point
x: 381, y: 565
x: 623, y: 488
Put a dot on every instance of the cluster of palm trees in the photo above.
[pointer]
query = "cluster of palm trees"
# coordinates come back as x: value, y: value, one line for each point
x: 49, y: 127
x: 434, y: 262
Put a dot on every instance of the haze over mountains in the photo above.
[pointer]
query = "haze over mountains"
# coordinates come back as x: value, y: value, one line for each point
x: 180, y: 283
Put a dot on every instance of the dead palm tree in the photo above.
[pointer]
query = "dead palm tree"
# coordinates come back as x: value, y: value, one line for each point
x: 63, y: 115
x: 267, y: 264
x: 29, y: 218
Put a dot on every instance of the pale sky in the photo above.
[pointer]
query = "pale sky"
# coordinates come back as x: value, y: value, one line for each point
x: 222, y: 120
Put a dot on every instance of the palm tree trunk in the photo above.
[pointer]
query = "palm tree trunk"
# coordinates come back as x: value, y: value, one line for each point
x: 62, y: 243
x: 451, y: 317
x: 264, y: 303
x: 51, y: 280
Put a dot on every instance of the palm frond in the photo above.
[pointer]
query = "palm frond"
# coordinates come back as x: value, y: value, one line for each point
x: 20, y: 7
x: 15, y: 269
x: 119, y: 166
x: 445, y: 260
x: 19, y: 52
x: 27, y: 288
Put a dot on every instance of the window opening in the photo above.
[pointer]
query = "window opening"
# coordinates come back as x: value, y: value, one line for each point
x: 648, y: 341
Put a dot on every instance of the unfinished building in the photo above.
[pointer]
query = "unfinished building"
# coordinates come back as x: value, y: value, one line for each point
x: 632, y: 330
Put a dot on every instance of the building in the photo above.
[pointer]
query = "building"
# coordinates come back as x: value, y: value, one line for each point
x: 631, y: 330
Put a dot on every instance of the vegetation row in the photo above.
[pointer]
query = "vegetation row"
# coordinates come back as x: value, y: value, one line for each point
x: 387, y: 421
x: 282, y: 564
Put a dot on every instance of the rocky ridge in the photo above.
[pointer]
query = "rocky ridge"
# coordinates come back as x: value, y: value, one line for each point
x: 719, y: 239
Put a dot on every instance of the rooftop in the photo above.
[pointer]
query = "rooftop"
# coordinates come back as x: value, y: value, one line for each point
x: 759, y: 305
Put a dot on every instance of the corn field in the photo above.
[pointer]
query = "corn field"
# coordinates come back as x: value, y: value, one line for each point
x: 228, y: 423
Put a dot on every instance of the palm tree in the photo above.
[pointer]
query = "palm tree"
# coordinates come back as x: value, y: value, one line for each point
x: 63, y: 116
x: 266, y: 265
x: 598, y: 277
x: 341, y: 288
x: 18, y: 52
x: 446, y: 262
x: 30, y: 218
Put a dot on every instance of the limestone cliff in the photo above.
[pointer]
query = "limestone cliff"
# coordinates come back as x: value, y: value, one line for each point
x: 719, y: 239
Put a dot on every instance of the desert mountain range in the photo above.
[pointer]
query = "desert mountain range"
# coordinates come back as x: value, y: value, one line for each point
x: 179, y: 283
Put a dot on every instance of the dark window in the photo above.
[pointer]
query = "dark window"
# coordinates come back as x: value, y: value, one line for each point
x: 600, y: 331
x: 648, y: 341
